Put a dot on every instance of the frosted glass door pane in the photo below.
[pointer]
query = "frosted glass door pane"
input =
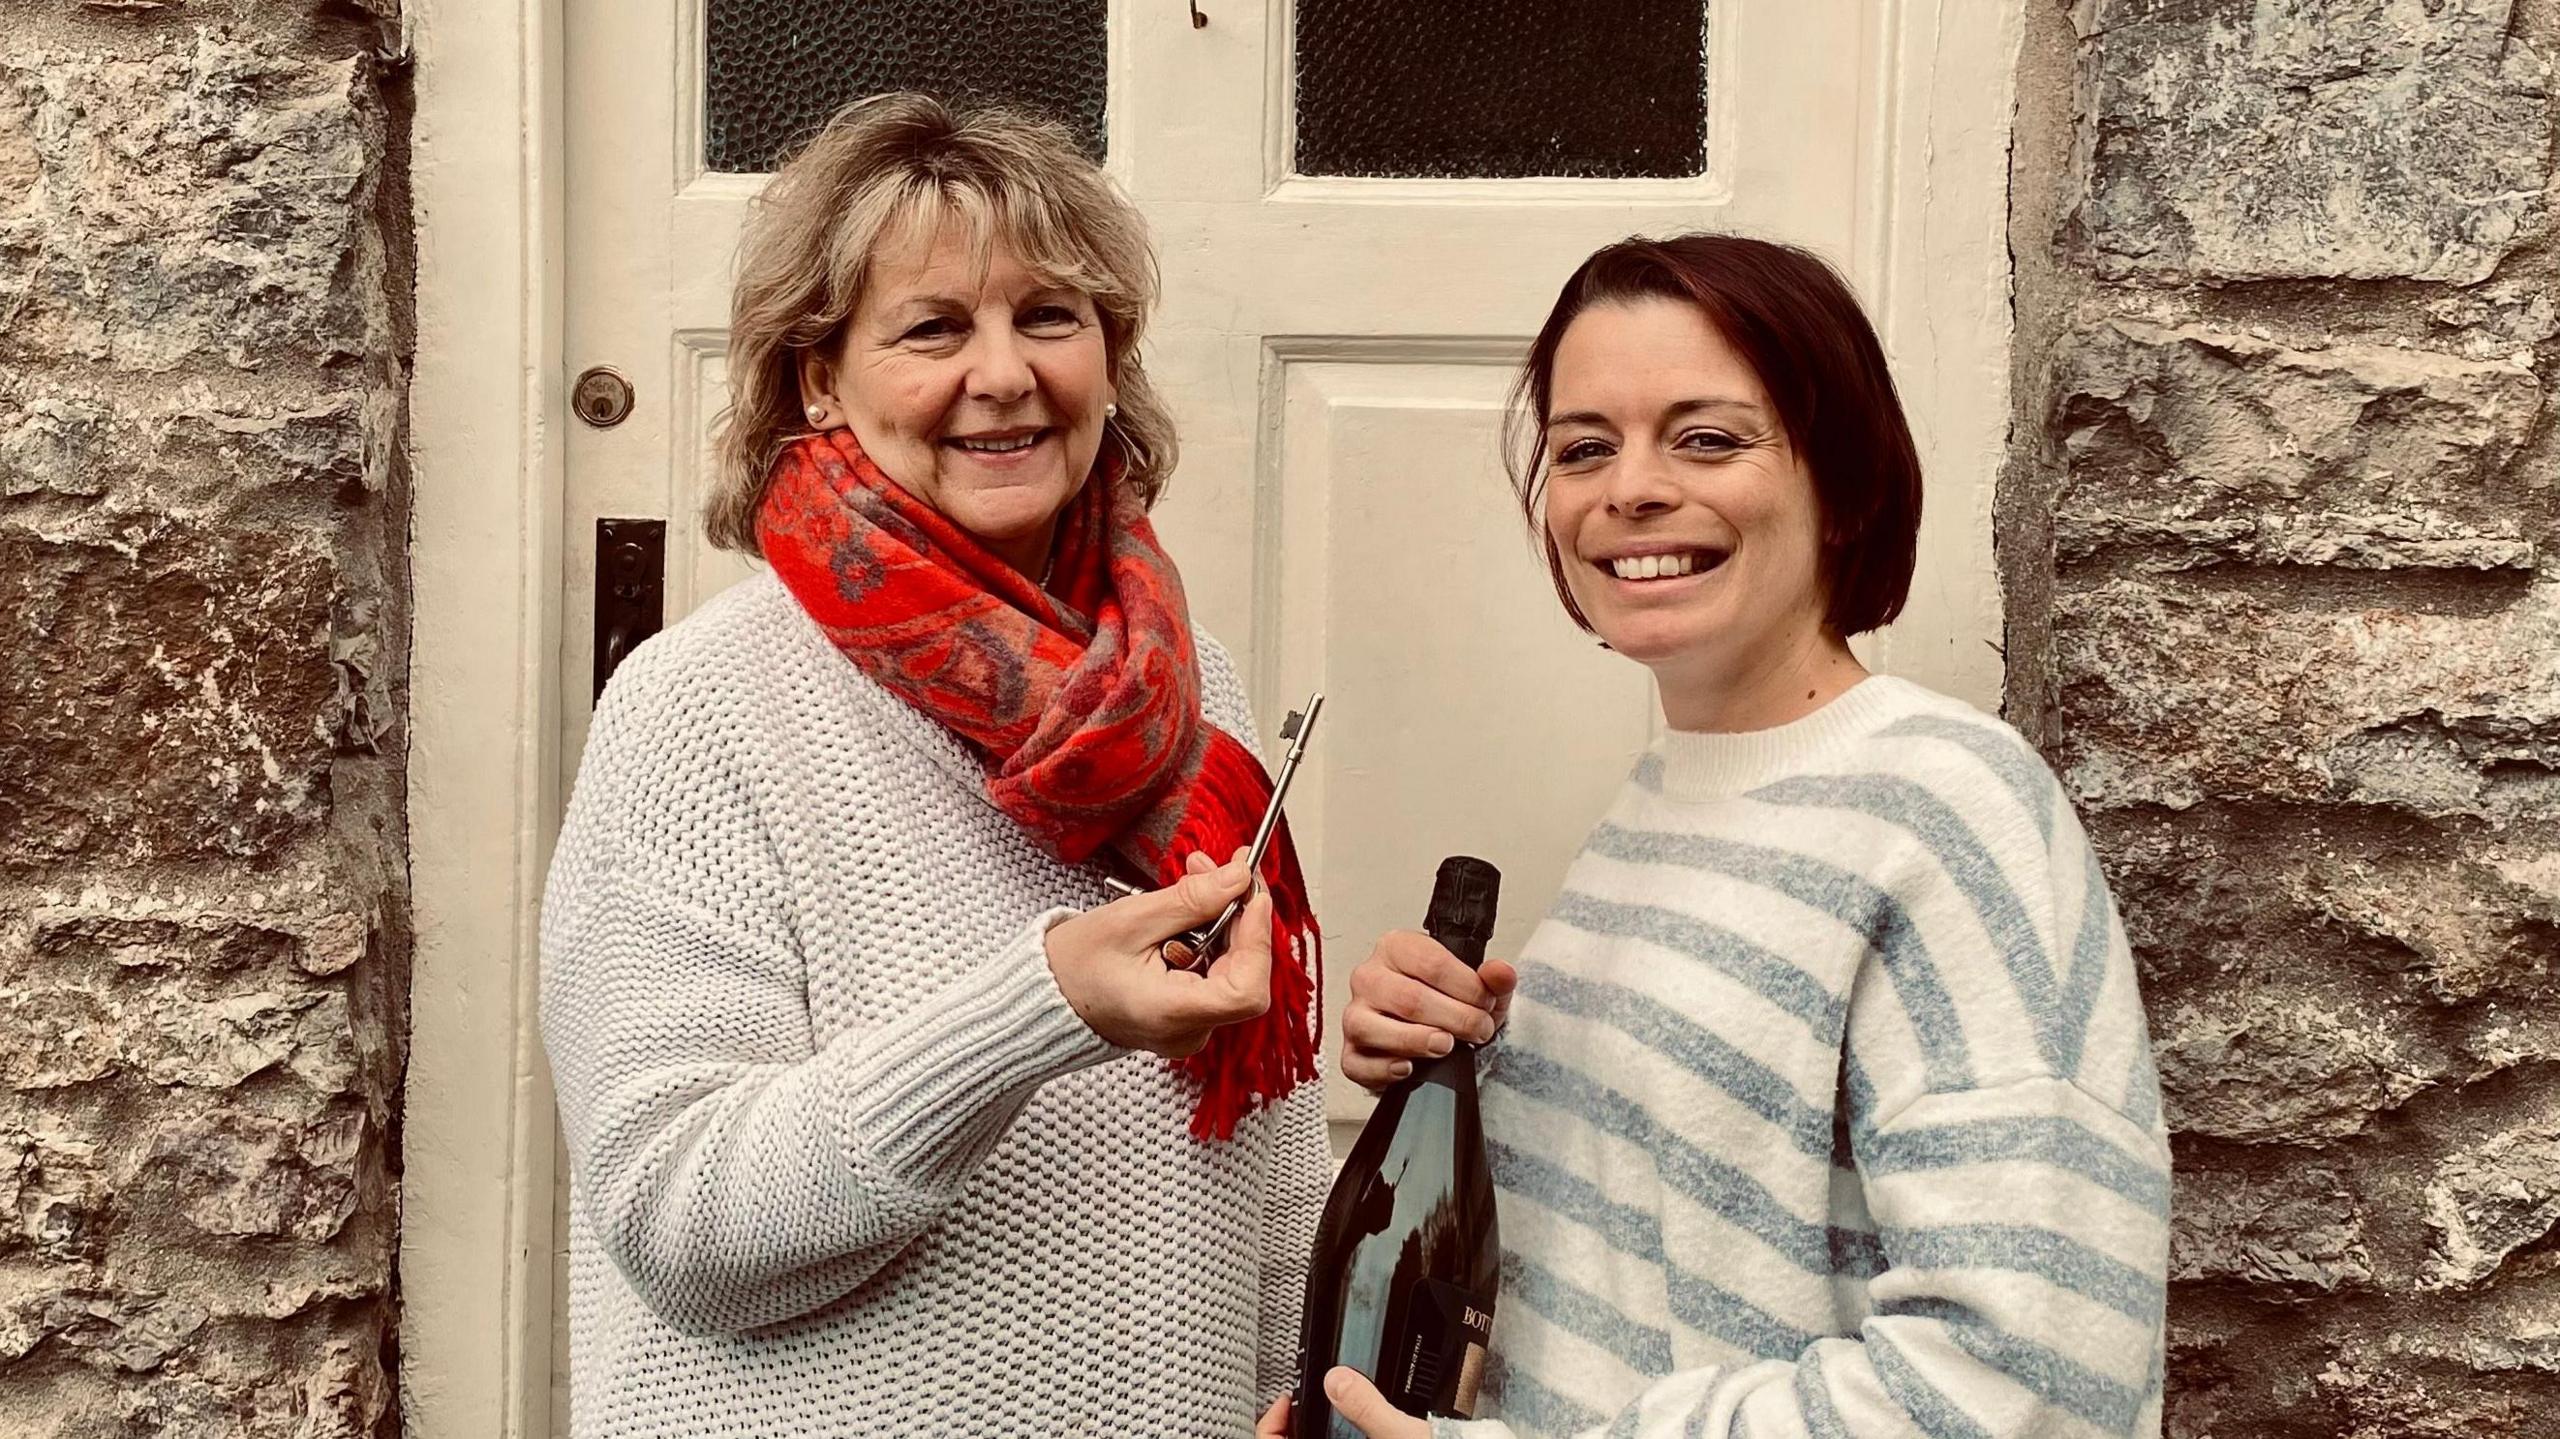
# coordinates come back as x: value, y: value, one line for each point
x: 779, y: 68
x: 1502, y: 88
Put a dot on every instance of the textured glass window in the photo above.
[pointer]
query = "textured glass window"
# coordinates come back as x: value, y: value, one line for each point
x: 779, y: 68
x: 1502, y: 88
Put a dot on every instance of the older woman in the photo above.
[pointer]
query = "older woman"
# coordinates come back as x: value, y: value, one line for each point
x: 1826, y: 1104
x: 870, y: 1122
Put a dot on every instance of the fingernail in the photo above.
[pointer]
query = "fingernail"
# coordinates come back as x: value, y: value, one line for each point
x: 1336, y: 1385
x: 1403, y: 1068
x: 1442, y: 1043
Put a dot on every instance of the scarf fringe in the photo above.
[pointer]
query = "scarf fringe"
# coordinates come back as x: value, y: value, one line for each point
x: 1250, y: 1066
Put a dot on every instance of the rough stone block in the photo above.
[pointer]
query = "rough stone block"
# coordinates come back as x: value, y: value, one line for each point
x: 131, y: 1333
x: 2280, y: 1066
x: 165, y: 692
x: 216, y: 1042
x: 237, y: 1173
x: 171, y: 989
x: 2190, y: 447
x: 2507, y: 1327
x: 200, y: 397
x: 338, y: 1392
x: 2489, y: 1200
x: 2210, y: 897
x: 2494, y: 319
x: 2483, y: 923
x: 175, y: 1034
x: 53, y: 1196
x: 2282, y: 1228
x: 304, y: 918
x: 2361, y: 139
x: 60, y: 1037
x: 2380, y: 1390
x: 198, y: 201
x: 190, y: 449
x: 2172, y: 696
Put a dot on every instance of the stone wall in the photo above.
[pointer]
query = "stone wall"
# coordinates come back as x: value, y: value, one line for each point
x: 2281, y: 541
x: 203, y: 962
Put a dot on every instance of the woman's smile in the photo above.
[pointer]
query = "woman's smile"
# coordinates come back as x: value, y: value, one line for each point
x: 1655, y: 570
x: 1006, y: 442
x: 1007, y: 454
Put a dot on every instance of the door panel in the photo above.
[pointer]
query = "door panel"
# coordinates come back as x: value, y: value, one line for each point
x: 1464, y: 714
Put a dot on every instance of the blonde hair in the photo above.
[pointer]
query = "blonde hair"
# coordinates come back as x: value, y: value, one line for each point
x: 881, y: 167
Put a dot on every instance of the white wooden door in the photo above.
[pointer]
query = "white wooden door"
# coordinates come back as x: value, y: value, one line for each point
x: 1338, y: 351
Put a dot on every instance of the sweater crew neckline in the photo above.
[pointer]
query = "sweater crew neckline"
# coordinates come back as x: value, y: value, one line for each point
x: 1702, y: 765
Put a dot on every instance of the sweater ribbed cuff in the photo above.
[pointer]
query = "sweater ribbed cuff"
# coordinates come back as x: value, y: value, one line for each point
x: 927, y: 1090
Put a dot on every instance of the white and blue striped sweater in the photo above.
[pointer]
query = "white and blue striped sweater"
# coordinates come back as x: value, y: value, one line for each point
x: 1826, y: 1107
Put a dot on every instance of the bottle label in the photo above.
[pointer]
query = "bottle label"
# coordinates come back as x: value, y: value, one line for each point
x: 1443, y: 1363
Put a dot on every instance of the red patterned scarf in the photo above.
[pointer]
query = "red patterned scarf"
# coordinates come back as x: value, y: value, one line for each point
x: 1082, y: 699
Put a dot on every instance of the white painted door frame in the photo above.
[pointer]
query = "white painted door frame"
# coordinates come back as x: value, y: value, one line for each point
x: 488, y: 403
x: 487, y: 407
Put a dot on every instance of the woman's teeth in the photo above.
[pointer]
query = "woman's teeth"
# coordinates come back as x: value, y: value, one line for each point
x: 1660, y: 567
x: 1000, y: 447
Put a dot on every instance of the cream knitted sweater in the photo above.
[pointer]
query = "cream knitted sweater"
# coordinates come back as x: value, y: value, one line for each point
x: 843, y: 1161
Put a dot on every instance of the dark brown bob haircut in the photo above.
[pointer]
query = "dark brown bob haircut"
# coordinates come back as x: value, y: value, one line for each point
x: 1793, y: 319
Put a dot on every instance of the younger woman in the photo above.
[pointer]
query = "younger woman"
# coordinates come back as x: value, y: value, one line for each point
x: 1826, y: 1106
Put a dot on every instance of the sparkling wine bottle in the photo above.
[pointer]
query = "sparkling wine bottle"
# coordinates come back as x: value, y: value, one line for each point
x: 1407, y: 1259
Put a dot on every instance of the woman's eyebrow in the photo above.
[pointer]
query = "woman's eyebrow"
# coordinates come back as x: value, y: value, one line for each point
x: 907, y: 307
x: 1731, y: 406
x: 1742, y: 408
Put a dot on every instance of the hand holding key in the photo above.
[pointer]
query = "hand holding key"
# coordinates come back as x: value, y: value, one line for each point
x: 1108, y: 965
x: 1198, y: 946
x: 1159, y: 971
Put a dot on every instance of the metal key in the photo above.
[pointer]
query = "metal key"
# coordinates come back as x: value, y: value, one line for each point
x: 1199, y: 948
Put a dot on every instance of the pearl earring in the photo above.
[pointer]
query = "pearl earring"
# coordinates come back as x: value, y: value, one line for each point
x: 1111, y: 412
x: 817, y: 414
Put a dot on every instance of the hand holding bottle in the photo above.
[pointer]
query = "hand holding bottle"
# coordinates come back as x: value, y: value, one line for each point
x: 1107, y: 964
x: 1412, y: 999
x: 1356, y: 1400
